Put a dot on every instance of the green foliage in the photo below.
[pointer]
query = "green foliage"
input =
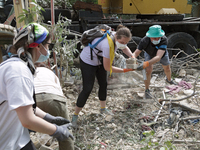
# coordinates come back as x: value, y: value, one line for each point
x: 174, y: 75
x: 64, y: 4
x: 28, y: 15
x: 149, y: 145
x: 63, y: 47
x: 198, y: 49
x: 194, y: 2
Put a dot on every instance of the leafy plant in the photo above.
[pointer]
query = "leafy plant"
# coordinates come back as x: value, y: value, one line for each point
x: 62, y: 3
x: 174, y: 75
x: 147, y: 141
x: 28, y: 15
x: 64, y: 47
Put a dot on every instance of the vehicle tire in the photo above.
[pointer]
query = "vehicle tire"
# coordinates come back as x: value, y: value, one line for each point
x: 133, y: 43
x: 183, y: 41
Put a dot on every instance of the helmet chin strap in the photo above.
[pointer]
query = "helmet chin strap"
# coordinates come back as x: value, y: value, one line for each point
x: 27, y: 58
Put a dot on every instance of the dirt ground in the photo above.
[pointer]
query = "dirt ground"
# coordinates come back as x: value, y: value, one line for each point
x: 134, y: 125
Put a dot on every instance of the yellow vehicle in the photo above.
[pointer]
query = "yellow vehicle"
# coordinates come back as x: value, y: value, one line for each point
x: 182, y: 33
x: 145, y: 7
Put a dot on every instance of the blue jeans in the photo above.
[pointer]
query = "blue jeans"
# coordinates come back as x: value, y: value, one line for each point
x: 164, y: 60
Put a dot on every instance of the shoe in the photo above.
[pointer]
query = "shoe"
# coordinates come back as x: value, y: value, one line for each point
x: 171, y: 82
x: 106, y: 111
x: 148, y: 94
x: 74, y: 121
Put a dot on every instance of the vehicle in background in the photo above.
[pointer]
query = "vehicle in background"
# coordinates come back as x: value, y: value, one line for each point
x: 182, y: 32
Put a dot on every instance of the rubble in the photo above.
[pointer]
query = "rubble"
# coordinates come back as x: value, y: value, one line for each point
x: 172, y: 119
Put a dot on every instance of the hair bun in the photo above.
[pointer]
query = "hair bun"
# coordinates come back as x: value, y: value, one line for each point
x: 120, y: 26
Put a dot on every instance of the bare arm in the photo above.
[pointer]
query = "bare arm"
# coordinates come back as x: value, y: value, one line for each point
x: 157, y: 57
x: 30, y: 121
x: 40, y: 113
x: 136, y: 53
x: 106, y: 64
x: 127, y: 51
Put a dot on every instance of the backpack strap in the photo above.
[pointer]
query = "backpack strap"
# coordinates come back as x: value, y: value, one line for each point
x: 91, y: 54
x: 95, y: 44
x: 2, y: 103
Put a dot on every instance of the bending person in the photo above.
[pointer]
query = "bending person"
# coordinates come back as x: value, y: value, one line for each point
x: 18, y: 111
x: 98, y: 67
x: 155, y: 46
x: 50, y: 97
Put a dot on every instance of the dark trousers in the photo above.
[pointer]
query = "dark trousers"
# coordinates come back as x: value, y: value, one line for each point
x: 89, y: 73
x: 29, y: 146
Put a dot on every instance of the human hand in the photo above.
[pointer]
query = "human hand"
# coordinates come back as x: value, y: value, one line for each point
x: 132, y: 56
x: 56, y: 120
x: 143, y: 65
x: 62, y: 132
x: 127, y: 70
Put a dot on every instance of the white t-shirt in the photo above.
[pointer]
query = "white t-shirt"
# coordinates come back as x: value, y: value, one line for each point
x: 16, y: 89
x: 46, y: 81
x: 103, y: 46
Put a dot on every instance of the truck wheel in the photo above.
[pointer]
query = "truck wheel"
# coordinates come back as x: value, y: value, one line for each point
x: 133, y: 43
x: 183, y: 41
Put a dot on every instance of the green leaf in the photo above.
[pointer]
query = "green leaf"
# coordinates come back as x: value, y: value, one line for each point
x: 22, y: 19
x: 168, y: 143
x: 25, y: 11
x: 149, y: 143
x: 156, y: 143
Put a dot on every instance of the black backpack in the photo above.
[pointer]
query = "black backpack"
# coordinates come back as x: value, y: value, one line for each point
x: 89, y: 35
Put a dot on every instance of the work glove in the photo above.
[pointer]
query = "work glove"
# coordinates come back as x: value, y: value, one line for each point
x: 127, y: 70
x: 62, y: 132
x: 56, y: 120
x: 143, y: 65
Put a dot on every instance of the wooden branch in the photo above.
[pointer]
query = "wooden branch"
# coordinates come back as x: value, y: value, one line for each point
x: 185, y: 141
x: 185, y: 107
x: 177, y: 100
x: 189, y: 61
x: 189, y: 118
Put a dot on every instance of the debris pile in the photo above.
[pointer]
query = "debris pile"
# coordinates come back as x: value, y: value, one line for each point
x: 169, y: 120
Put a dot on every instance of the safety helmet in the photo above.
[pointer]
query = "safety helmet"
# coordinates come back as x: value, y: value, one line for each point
x: 155, y: 31
x: 36, y: 34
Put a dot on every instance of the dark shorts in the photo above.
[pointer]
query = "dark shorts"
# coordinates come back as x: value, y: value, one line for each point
x: 164, y: 60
